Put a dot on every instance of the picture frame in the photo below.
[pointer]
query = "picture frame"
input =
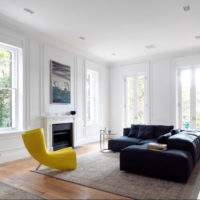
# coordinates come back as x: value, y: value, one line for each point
x: 60, y: 83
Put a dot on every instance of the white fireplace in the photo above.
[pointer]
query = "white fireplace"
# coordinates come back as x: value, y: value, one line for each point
x: 48, y: 121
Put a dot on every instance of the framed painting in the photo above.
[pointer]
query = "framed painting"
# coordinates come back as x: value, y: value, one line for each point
x: 60, y: 82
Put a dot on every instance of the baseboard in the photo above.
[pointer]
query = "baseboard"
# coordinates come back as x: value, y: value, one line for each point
x: 13, y: 154
x: 87, y: 140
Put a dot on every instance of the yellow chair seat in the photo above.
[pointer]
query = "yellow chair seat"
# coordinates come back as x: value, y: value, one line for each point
x: 63, y: 159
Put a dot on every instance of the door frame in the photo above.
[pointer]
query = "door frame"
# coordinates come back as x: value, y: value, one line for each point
x: 146, y: 96
x: 192, y: 95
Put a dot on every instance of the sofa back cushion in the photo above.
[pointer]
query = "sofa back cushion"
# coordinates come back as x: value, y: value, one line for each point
x: 134, y: 131
x: 126, y: 131
x: 145, y: 132
x: 161, y: 130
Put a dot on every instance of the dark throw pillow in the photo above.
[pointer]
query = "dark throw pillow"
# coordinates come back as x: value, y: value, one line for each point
x: 145, y: 132
x: 134, y: 130
x: 163, y: 138
x: 175, y: 131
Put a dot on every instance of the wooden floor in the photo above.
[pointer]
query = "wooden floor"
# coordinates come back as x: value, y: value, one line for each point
x: 18, y: 174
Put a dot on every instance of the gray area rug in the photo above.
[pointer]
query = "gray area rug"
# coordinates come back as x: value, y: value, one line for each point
x: 9, y: 192
x: 101, y: 171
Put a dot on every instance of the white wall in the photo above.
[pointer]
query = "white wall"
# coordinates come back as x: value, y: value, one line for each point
x: 37, y: 54
x: 162, y: 84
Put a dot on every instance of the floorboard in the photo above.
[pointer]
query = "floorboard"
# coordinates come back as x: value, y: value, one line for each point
x: 18, y: 174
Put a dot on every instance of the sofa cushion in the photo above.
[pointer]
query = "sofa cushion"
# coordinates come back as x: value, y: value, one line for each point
x: 116, y: 144
x: 126, y: 131
x: 147, y: 141
x: 134, y: 130
x: 161, y: 130
x: 145, y: 132
x: 163, y: 138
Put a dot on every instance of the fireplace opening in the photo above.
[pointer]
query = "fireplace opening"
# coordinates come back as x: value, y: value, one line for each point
x: 62, y: 136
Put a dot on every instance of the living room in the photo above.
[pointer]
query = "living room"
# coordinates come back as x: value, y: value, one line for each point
x: 99, y: 66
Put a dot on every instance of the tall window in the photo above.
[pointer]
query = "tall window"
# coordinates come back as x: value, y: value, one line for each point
x: 8, y: 86
x: 91, y: 96
x: 189, y: 97
x: 135, y: 100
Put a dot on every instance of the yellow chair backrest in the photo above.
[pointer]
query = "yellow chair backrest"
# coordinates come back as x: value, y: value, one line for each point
x: 35, y: 143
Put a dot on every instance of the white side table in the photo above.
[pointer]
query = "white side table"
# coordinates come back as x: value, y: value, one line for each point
x: 103, y: 136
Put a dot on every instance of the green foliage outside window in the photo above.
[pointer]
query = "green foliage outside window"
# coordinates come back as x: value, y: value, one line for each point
x: 5, y: 94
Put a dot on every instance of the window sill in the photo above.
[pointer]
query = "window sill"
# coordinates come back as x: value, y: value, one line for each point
x: 11, y: 131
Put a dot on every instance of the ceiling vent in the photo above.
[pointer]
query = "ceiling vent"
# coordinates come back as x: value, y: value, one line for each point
x: 197, y: 37
x: 82, y: 38
x: 150, y: 46
x: 29, y: 10
x: 186, y: 8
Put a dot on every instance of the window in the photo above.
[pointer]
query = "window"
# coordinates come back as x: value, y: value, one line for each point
x: 189, y: 98
x: 8, y: 87
x: 135, y: 100
x: 91, y: 96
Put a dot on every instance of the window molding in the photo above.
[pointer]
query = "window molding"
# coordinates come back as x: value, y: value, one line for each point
x: 92, y: 66
x: 17, y: 79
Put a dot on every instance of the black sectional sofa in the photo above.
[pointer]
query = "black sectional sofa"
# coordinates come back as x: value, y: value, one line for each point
x: 176, y: 163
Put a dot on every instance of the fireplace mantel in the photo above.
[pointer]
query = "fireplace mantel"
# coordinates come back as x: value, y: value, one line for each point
x: 48, y: 120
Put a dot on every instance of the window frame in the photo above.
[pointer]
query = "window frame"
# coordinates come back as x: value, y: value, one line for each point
x: 16, y: 87
x: 94, y: 96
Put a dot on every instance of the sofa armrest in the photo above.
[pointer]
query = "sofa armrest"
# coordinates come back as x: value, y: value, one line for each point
x: 187, y: 142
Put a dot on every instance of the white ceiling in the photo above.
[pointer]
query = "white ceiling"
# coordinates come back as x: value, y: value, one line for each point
x: 123, y: 27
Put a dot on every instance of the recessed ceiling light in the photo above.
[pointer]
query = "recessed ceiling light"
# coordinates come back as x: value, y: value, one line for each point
x: 197, y: 37
x: 150, y: 46
x: 114, y: 54
x: 82, y: 38
x: 186, y: 8
x: 29, y: 10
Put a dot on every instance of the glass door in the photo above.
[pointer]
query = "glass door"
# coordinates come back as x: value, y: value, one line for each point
x: 135, y: 100
x: 189, y: 98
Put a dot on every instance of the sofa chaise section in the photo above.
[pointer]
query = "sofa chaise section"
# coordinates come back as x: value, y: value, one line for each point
x: 172, y: 164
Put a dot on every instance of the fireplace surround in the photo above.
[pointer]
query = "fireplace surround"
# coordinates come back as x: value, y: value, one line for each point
x: 59, y: 131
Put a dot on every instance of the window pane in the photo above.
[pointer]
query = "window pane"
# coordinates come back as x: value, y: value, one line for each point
x: 88, y: 103
x: 5, y: 68
x: 91, y: 95
x: 197, y: 78
x: 130, y: 101
x: 5, y: 108
x: 185, y: 97
x: 140, y: 99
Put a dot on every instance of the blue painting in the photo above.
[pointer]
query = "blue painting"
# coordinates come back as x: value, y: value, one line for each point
x: 60, y: 83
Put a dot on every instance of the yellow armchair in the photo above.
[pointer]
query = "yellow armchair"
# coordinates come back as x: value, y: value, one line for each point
x: 63, y: 159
